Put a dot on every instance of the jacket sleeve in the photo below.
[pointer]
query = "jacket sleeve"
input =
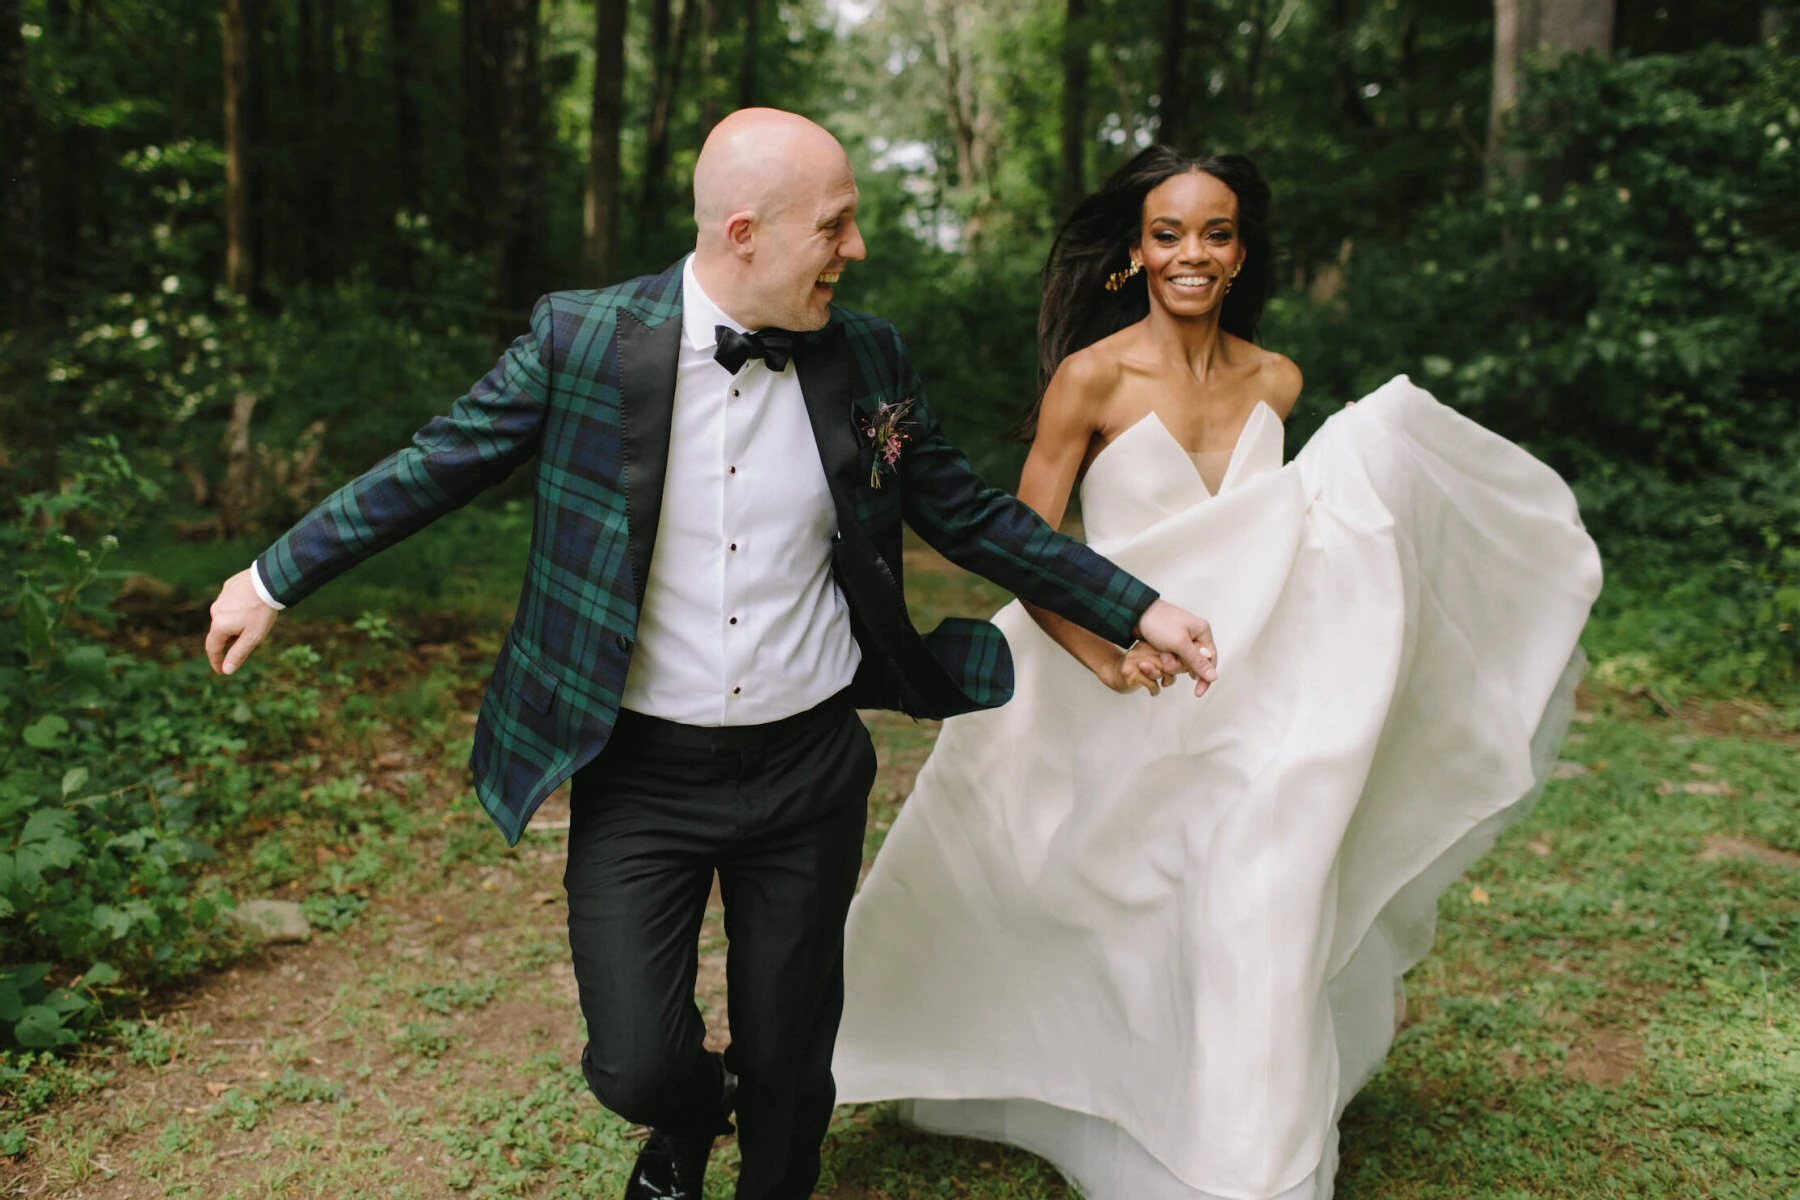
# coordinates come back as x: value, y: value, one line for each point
x: 485, y: 435
x: 995, y: 535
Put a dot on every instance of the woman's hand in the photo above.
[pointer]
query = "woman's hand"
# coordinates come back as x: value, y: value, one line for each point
x: 1141, y: 666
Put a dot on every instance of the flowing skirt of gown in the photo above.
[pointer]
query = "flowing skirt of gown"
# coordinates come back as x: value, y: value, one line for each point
x: 1158, y: 940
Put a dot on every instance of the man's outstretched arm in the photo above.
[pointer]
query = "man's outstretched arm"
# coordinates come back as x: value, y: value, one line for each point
x: 486, y: 434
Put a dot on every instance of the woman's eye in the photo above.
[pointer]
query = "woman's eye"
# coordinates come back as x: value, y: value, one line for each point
x: 1166, y: 238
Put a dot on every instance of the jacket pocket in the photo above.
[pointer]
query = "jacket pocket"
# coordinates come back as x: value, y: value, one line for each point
x: 529, y: 680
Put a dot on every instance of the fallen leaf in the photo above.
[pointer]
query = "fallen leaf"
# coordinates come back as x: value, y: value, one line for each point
x: 543, y: 898
x: 1665, y: 788
x: 1478, y: 895
x: 1701, y: 769
x: 219, y: 1089
x: 1568, y: 770
x: 1541, y: 849
x: 1707, y: 789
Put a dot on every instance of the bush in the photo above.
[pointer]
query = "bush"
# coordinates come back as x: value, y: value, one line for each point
x: 116, y: 773
x: 1624, y: 311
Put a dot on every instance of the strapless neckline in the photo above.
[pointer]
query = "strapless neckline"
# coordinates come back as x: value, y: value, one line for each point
x: 1145, y: 474
x: 1194, y: 457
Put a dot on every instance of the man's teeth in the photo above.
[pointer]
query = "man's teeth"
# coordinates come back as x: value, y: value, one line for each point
x: 830, y: 277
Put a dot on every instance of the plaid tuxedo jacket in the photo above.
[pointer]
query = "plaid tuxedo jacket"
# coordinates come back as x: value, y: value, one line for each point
x: 590, y: 391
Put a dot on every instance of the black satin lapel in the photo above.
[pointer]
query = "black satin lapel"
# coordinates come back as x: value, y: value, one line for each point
x: 648, y: 357
x: 823, y: 363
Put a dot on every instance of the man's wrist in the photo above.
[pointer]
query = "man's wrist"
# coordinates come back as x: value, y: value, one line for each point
x: 262, y: 589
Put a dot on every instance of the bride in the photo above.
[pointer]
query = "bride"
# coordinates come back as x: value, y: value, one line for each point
x: 1159, y: 942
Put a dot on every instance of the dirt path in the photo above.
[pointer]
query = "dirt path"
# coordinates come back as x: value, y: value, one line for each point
x: 430, y: 1048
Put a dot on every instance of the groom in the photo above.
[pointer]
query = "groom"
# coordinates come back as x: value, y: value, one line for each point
x: 724, y: 460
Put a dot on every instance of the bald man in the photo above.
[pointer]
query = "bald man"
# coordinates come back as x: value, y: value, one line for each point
x: 724, y: 461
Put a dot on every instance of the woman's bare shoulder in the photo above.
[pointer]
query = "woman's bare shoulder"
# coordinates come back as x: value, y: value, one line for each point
x: 1086, y: 380
x: 1279, y: 382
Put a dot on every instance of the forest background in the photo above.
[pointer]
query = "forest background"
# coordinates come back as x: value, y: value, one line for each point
x: 248, y: 246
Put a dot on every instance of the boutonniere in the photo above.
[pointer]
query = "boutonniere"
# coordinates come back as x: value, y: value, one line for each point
x: 884, y: 437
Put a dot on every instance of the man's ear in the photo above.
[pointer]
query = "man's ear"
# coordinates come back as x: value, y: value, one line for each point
x: 740, y: 234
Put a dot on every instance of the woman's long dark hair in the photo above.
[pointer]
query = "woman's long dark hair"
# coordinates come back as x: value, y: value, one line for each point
x: 1096, y: 241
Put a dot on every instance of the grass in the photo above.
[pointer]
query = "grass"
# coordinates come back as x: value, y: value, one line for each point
x: 1611, y: 1009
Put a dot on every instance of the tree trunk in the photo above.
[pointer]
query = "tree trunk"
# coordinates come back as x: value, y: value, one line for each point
x: 1344, y: 93
x: 1074, y: 106
x: 600, y: 211
x: 1253, y: 63
x: 663, y: 87
x: 403, y: 45
x: 517, y: 237
x: 479, y: 80
x: 747, y: 68
x: 240, y: 236
x: 315, y: 79
x: 1172, y: 111
x: 1527, y: 28
x: 21, y: 262
x: 709, y: 45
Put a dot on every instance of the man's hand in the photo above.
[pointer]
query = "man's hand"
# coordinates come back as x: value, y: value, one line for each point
x: 1180, y: 633
x: 240, y: 620
x: 1140, y: 667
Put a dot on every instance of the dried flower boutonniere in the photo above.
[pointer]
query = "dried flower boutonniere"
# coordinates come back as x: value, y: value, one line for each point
x: 885, y: 436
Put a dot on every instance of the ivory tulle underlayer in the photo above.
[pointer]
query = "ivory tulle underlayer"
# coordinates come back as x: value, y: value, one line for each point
x: 1159, y: 940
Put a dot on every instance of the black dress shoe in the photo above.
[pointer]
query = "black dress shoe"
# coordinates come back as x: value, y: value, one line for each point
x: 670, y: 1167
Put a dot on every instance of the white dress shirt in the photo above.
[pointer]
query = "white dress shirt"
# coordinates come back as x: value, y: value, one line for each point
x: 742, y: 621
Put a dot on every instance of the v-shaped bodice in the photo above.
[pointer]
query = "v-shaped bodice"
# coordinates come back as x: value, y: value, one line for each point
x: 1144, y: 475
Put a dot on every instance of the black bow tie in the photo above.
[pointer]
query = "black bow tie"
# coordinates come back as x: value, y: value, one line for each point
x: 773, y: 346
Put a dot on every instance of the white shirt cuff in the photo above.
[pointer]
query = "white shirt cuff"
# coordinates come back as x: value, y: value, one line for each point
x: 262, y: 589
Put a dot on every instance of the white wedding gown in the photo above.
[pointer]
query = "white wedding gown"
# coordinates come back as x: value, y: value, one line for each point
x: 1158, y: 941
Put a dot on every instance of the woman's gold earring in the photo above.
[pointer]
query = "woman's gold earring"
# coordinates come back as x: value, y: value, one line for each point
x: 1117, y: 279
x: 1233, y: 275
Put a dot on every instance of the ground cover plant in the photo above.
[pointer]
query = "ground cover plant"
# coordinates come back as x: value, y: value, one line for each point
x: 1609, y: 1010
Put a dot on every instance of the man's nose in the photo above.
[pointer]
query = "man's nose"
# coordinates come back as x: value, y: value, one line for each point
x: 852, y: 246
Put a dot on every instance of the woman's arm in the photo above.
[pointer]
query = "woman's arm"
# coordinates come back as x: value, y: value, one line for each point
x: 1068, y: 420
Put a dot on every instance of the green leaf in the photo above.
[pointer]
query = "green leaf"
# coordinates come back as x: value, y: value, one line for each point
x: 100, y: 974
x: 40, y: 1027
x: 110, y: 921
x: 42, y: 733
x: 65, y: 1002
x: 73, y: 779
x: 12, y: 1141
x: 47, y: 824
x: 88, y: 662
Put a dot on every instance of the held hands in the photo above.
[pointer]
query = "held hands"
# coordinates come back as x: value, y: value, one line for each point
x: 1141, y: 667
x: 240, y: 620
x: 1185, y: 637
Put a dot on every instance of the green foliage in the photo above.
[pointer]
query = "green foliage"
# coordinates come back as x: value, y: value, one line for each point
x: 116, y: 773
x: 1624, y: 310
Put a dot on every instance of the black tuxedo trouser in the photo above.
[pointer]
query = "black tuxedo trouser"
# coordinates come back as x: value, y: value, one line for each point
x: 778, y: 811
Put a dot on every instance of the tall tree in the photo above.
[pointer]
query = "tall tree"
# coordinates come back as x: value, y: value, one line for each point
x: 403, y: 49
x: 1526, y: 28
x: 752, y: 51
x: 1172, y: 103
x: 1074, y: 103
x: 315, y: 83
x: 1345, y: 94
x: 709, y: 46
x: 666, y: 56
x: 517, y: 235
x: 480, y: 76
x: 600, y: 208
x: 21, y: 262
x: 238, y: 19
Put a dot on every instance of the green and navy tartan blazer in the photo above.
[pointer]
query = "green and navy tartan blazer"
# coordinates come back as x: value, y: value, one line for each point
x: 590, y: 392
